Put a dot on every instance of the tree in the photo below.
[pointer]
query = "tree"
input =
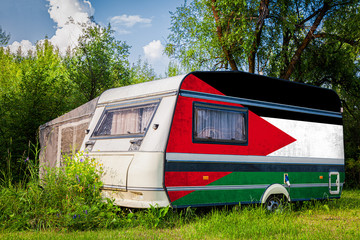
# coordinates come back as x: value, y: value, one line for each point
x: 266, y: 36
x: 46, y: 91
x: 100, y: 62
x: 34, y: 90
x: 4, y: 38
x: 141, y: 72
x: 10, y: 78
x: 173, y: 70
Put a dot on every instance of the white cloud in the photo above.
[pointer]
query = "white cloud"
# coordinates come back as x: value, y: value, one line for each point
x: 123, y: 23
x: 154, y: 50
x: 70, y: 16
x: 61, y: 10
x: 25, y: 45
x: 154, y: 54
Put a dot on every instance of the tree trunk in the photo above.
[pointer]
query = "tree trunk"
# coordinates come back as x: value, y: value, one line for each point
x: 228, y: 55
x: 284, y: 51
x: 263, y: 13
x: 306, y: 41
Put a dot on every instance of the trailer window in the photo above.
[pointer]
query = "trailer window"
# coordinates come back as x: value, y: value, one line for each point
x: 125, y: 121
x: 219, y: 124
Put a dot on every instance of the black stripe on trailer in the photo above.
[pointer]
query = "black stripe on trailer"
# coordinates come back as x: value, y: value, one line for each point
x: 268, y: 89
x: 275, y: 110
x: 250, y: 167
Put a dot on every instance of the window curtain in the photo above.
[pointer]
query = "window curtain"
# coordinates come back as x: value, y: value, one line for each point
x: 133, y: 120
x: 220, y: 125
x: 125, y: 122
x: 146, y: 116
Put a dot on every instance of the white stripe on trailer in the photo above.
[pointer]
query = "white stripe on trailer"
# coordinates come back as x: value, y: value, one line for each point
x: 222, y: 158
x: 243, y: 187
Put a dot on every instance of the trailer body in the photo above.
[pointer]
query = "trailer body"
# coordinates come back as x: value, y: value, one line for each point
x: 212, y: 138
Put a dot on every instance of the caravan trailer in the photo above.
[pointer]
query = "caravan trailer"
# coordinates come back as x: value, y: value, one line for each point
x: 208, y: 138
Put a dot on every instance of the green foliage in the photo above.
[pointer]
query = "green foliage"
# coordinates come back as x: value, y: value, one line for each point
x: 353, y: 172
x: 39, y: 86
x: 80, y: 175
x: 141, y: 72
x: 34, y: 90
x: 44, y: 90
x: 269, y: 37
x: 155, y: 215
x: 193, y: 40
x: 66, y: 198
x: 4, y: 38
x: 174, y: 69
x: 100, y: 62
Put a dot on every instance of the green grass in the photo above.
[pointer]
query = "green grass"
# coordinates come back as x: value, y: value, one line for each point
x: 337, y: 219
x: 66, y: 204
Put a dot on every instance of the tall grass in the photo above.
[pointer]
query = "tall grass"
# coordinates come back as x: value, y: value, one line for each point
x: 337, y: 219
x: 68, y: 199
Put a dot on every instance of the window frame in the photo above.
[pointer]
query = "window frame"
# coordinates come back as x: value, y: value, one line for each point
x: 123, y: 107
x: 219, y: 107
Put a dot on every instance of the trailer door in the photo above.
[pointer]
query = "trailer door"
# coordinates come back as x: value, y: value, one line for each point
x: 334, y: 182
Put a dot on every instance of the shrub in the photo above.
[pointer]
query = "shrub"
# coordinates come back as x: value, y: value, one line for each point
x: 66, y: 197
x: 352, y: 173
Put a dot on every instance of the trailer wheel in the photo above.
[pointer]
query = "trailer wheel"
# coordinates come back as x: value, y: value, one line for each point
x: 275, y: 203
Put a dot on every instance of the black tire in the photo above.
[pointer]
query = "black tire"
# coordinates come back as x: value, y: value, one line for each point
x: 275, y: 203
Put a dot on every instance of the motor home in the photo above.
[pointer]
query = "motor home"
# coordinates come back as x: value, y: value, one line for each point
x: 208, y: 138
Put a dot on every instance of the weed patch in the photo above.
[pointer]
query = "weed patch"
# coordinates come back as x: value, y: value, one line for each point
x: 67, y: 203
x: 66, y: 197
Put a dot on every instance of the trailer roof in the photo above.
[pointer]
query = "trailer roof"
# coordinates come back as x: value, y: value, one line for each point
x: 145, y: 89
x: 268, y: 89
x: 236, y: 84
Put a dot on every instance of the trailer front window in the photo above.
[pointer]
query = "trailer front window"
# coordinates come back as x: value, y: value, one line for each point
x: 125, y: 121
x: 219, y: 124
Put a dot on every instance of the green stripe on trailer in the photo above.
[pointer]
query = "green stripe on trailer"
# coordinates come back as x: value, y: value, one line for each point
x: 214, y: 197
x: 248, y: 187
x: 246, y: 178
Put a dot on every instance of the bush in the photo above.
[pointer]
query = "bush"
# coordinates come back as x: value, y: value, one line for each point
x: 66, y: 197
x: 352, y: 173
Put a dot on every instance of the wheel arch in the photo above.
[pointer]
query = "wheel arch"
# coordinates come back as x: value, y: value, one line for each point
x: 275, y: 189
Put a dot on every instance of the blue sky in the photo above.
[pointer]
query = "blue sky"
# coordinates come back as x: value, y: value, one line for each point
x: 143, y: 24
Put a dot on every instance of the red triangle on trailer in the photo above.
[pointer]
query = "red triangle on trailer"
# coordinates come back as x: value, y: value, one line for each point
x: 181, y: 180
x: 193, y: 83
x: 263, y: 137
x: 175, y: 195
